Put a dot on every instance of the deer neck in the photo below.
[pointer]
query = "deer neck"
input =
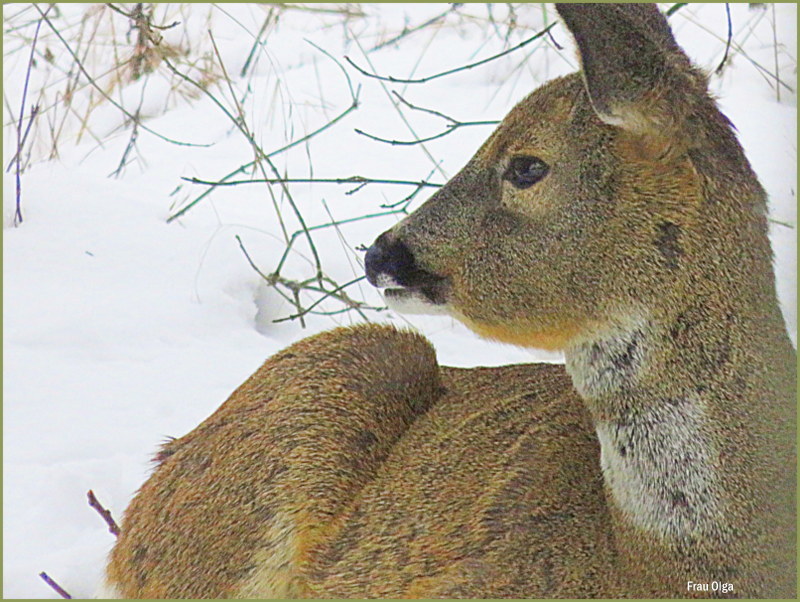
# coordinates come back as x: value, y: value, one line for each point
x: 685, y: 408
x: 657, y: 456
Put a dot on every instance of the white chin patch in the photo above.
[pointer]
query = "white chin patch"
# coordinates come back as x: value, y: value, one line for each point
x: 385, y: 281
x: 407, y: 301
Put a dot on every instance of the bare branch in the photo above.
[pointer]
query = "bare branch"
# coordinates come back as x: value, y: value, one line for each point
x: 59, y: 590
x: 133, y: 16
x: 113, y: 528
x: 35, y: 110
x: 775, y: 54
x: 100, y: 89
x: 294, y: 288
x: 256, y: 42
x: 361, y: 180
x: 18, y: 209
x: 328, y: 294
x: 675, y: 8
x: 266, y: 156
x: 450, y: 128
x: 422, y: 80
x: 130, y: 146
x: 423, y: 109
x: 728, y: 43
x: 406, y: 31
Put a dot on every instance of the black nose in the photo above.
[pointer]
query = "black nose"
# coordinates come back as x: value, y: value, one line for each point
x: 389, y: 262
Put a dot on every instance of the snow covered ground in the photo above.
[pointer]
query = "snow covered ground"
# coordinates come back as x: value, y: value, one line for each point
x: 121, y: 329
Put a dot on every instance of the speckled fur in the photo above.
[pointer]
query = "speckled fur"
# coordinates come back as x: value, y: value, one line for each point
x: 352, y: 465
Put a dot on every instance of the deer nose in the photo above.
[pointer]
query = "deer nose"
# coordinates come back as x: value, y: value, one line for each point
x: 390, y: 263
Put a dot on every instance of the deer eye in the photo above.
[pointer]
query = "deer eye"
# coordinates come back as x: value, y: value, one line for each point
x: 524, y: 172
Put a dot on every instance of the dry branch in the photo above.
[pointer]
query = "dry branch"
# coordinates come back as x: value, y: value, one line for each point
x: 408, y: 31
x: 360, y: 180
x: 675, y: 8
x: 59, y: 590
x: 728, y: 43
x: 100, y: 89
x: 312, y: 285
x: 34, y: 111
x: 449, y: 128
x: 422, y: 80
x: 113, y: 528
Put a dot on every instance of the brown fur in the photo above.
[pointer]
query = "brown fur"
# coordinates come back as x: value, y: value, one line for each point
x: 352, y: 465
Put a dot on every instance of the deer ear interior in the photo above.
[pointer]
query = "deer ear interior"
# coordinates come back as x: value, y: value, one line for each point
x: 631, y: 62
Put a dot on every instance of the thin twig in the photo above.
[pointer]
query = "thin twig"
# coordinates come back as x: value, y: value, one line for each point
x: 675, y: 8
x: 422, y: 80
x: 765, y: 73
x: 131, y: 141
x: 451, y: 127
x: 320, y: 300
x: 423, y: 109
x: 296, y: 287
x: 449, y: 130
x: 102, y: 92
x: 349, y: 180
x: 227, y: 79
x: 393, y: 210
x: 256, y: 42
x: 35, y: 110
x: 261, y: 156
x: 113, y: 528
x: 440, y: 114
x: 274, y: 279
x: 436, y: 164
x: 269, y: 279
x: 406, y: 31
x: 553, y: 40
x: 353, y: 93
x: 18, y: 210
x: 347, y: 248
x: 780, y: 223
x: 775, y: 54
x: 250, y: 164
x: 59, y: 590
x: 405, y: 202
x: 133, y: 17
x: 728, y: 43
x: 187, y: 207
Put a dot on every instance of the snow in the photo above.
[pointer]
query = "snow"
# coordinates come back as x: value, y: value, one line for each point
x: 121, y: 329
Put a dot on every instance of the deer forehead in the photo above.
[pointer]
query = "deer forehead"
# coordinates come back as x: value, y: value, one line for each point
x: 538, y: 125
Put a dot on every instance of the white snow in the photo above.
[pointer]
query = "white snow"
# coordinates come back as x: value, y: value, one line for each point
x: 121, y: 329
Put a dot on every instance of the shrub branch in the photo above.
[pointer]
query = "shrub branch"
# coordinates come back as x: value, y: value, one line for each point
x: 113, y: 528
x: 20, y: 137
x: 102, y: 92
x: 58, y: 589
x: 422, y: 80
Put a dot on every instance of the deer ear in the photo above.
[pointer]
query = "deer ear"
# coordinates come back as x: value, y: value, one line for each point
x: 635, y: 73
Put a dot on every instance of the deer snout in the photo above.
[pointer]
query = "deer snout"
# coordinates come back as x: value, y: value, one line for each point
x: 390, y: 265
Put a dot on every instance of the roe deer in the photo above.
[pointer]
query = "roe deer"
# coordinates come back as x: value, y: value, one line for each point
x: 612, y: 215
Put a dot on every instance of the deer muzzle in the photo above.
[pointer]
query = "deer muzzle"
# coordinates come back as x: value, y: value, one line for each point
x: 407, y: 288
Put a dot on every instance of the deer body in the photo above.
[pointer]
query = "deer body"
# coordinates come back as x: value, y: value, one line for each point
x: 612, y: 215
